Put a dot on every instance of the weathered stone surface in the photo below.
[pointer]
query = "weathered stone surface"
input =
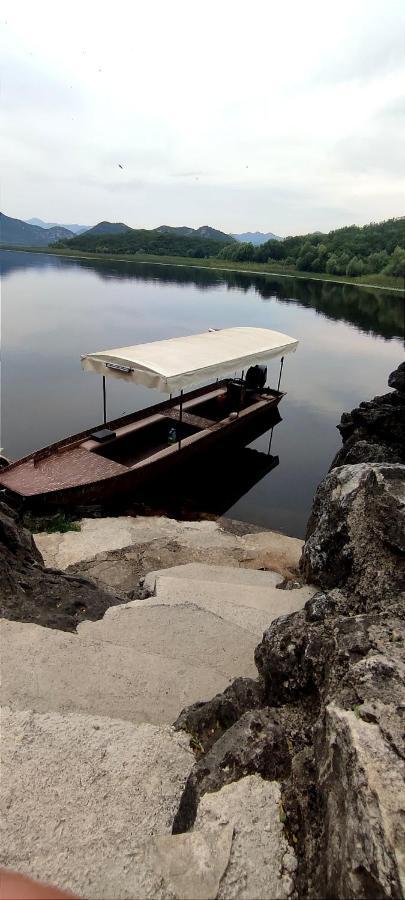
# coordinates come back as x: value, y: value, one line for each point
x: 356, y: 532
x: 375, y: 430
x: 31, y: 593
x: 207, y: 721
x: 262, y: 863
x: 362, y: 784
x: 255, y: 744
x: 80, y: 795
x: 191, y: 865
x: 397, y: 379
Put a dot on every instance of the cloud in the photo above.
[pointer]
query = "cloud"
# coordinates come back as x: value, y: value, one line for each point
x: 281, y: 118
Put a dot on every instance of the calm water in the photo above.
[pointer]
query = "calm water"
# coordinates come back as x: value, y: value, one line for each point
x: 55, y: 309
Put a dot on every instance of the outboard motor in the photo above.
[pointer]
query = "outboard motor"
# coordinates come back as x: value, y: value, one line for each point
x: 256, y: 378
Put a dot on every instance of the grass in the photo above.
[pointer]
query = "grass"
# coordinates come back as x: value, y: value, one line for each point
x: 379, y: 281
x: 58, y: 522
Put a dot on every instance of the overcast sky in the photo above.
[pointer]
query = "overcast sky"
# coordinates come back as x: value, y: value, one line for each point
x: 273, y: 115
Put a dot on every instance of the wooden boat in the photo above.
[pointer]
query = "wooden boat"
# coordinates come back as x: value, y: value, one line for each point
x: 119, y: 456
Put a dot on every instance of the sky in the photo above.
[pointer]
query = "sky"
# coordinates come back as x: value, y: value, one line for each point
x: 274, y: 116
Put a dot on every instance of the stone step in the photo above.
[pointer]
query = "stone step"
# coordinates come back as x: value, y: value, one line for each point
x: 186, y: 632
x: 216, y: 574
x: 90, y: 804
x: 83, y: 794
x: 178, y: 660
x: 249, y: 607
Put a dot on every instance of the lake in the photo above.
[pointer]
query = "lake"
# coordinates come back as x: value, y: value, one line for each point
x: 54, y: 309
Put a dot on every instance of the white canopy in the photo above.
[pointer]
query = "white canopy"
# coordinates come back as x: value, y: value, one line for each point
x: 178, y: 363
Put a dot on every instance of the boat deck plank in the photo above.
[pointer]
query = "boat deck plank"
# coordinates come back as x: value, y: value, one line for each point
x: 189, y: 418
x: 59, y: 471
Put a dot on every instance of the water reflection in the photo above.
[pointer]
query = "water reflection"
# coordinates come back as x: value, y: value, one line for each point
x: 54, y: 309
x: 372, y: 311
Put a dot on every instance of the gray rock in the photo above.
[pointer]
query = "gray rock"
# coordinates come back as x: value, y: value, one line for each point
x: 254, y: 745
x: 32, y: 593
x: 191, y: 865
x: 262, y: 863
x: 207, y: 721
x: 362, y: 785
x: 356, y: 532
x: 397, y: 378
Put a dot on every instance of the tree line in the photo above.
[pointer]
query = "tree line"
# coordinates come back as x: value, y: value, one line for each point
x: 353, y: 250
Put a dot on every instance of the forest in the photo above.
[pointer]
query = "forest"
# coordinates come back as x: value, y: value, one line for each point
x: 352, y: 251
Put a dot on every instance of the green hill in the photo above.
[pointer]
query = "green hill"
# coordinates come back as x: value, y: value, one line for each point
x: 157, y: 243
x: 353, y: 250
x: 205, y: 231
x: 21, y: 234
x: 108, y: 228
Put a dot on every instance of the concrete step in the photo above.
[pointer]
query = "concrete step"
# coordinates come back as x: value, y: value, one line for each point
x: 248, y: 598
x: 216, y: 574
x: 83, y: 794
x: 249, y: 607
x: 177, y: 660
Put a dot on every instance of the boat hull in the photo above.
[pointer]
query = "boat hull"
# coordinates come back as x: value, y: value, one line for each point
x: 241, y: 429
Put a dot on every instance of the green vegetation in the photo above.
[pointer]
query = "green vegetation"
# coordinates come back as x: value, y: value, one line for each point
x: 157, y: 243
x: 58, y: 522
x: 353, y: 251
x: 372, y: 254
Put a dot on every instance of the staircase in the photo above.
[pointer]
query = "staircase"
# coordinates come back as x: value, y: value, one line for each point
x: 92, y: 770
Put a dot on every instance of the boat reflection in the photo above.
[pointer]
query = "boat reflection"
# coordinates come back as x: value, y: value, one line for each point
x: 209, y: 489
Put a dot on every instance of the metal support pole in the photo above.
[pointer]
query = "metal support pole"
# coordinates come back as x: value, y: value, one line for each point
x: 104, y: 402
x: 180, y: 417
x: 271, y: 438
x: 281, y: 369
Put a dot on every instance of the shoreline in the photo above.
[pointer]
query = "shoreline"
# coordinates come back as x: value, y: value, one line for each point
x: 203, y: 264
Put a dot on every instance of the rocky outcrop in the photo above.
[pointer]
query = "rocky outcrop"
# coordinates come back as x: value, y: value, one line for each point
x: 32, y: 593
x: 331, y: 683
x: 375, y: 430
x: 356, y: 532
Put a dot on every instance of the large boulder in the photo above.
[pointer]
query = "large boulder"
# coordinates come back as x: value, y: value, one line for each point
x: 32, y: 593
x: 356, y: 532
x: 375, y: 430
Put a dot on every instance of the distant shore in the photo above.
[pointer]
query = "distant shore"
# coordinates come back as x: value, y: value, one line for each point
x: 378, y: 282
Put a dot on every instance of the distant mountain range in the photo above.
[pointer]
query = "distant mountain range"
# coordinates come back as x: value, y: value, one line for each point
x: 15, y: 231
x: 75, y: 229
x: 256, y: 237
x: 37, y: 233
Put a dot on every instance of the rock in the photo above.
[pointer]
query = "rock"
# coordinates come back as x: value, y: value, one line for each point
x: 206, y: 722
x: 361, y: 781
x: 397, y: 379
x: 80, y: 796
x: 356, y: 532
x: 375, y: 430
x: 358, y: 450
x: 262, y: 863
x: 32, y: 593
x: 255, y: 744
x: 191, y: 865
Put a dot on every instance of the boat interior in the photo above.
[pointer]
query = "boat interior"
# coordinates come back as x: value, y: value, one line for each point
x: 177, y: 423
x: 136, y: 440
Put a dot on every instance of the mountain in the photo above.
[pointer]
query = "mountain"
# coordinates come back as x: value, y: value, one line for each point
x: 15, y: 231
x: 205, y: 231
x: 149, y: 241
x: 75, y: 229
x: 256, y: 237
x: 108, y: 228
